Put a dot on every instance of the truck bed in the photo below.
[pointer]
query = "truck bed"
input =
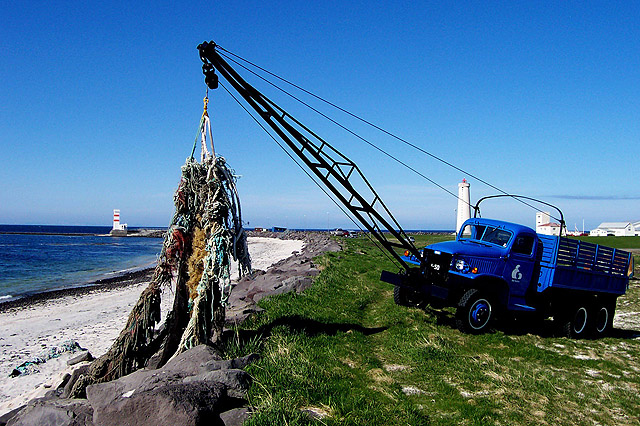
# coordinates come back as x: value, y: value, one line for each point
x: 578, y: 265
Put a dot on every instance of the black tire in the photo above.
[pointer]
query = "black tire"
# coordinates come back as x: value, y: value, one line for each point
x: 603, y: 313
x: 406, y: 297
x: 475, y: 312
x: 576, y: 323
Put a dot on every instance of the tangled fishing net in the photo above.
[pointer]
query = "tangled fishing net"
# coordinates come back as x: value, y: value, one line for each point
x: 204, y: 235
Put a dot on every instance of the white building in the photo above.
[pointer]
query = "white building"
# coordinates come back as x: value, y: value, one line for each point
x: 617, y: 229
x: 636, y: 225
x: 119, y: 229
x: 598, y: 232
x: 545, y: 226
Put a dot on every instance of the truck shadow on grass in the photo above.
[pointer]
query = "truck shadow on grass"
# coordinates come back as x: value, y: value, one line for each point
x: 509, y: 326
x: 298, y: 325
x: 310, y: 327
x: 624, y: 333
x: 547, y: 329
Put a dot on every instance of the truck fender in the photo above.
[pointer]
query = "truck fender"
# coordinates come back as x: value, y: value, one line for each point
x: 491, y: 285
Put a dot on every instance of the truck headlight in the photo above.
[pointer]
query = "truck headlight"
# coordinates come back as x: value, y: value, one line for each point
x: 464, y: 267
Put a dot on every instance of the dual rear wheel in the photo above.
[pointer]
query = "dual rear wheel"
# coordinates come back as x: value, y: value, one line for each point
x: 603, y: 320
x: 587, y: 319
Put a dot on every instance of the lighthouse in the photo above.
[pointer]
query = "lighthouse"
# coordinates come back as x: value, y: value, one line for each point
x: 464, y: 204
x: 119, y: 229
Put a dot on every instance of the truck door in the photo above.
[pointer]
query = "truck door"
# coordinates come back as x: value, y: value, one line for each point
x: 519, y: 266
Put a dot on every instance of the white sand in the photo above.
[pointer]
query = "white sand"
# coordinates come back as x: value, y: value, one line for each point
x: 93, y: 320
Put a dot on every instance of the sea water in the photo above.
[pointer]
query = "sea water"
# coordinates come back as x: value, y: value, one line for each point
x: 34, y: 263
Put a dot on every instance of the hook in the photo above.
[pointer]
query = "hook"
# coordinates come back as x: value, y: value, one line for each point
x: 206, y: 102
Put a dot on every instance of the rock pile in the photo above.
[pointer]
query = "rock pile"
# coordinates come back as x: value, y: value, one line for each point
x: 196, y: 387
x: 292, y: 274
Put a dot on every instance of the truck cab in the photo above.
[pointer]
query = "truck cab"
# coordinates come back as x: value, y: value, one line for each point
x: 486, y: 253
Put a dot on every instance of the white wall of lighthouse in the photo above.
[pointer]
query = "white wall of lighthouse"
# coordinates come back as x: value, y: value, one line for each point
x: 464, y: 204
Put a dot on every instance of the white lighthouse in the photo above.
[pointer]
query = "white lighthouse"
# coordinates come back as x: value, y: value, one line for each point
x: 119, y: 229
x: 464, y: 204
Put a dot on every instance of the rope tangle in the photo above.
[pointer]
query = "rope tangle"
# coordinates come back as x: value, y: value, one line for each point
x: 204, y: 235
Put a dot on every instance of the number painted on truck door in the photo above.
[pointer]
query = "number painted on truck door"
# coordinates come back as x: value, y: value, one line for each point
x: 516, y: 275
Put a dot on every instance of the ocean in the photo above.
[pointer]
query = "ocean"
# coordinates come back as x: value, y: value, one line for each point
x: 38, y: 258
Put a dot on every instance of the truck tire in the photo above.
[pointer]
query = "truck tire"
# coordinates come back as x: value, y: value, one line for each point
x: 474, y: 313
x: 406, y: 297
x: 603, y: 314
x: 576, y: 323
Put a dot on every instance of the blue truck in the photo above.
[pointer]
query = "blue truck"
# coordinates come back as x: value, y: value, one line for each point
x: 496, y: 268
x: 492, y: 269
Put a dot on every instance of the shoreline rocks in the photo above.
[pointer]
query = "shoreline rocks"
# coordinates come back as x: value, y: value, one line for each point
x: 196, y: 387
x: 294, y: 273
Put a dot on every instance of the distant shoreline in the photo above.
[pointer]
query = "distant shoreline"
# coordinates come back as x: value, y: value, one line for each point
x: 105, y: 284
x: 138, y: 232
x: 71, y: 234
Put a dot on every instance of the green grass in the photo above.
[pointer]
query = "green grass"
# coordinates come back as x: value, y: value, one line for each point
x: 615, y: 242
x: 344, y: 351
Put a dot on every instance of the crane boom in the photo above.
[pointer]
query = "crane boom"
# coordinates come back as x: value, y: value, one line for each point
x: 337, y: 172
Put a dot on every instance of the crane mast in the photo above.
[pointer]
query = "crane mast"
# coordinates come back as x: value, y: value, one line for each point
x: 338, y: 173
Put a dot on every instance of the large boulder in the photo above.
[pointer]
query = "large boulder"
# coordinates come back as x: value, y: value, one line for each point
x: 54, y: 411
x: 235, y: 416
x: 190, y: 363
x: 164, y: 403
x: 197, y: 387
x: 191, y: 389
x: 236, y: 382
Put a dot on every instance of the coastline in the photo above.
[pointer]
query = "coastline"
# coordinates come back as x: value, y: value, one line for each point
x: 92, y: 316
x: 106, y: 284
x: 133, y: 232
x: 125, y: 279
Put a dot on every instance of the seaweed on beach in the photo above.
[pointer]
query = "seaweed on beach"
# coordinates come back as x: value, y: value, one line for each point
x: 30, y: 367
x: 204, y: 234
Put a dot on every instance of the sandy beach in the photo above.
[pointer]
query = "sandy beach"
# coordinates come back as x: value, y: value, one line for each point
x: 91, y: 317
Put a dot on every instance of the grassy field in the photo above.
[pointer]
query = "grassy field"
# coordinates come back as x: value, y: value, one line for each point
x: 343, y: 353
x: 615, y: 242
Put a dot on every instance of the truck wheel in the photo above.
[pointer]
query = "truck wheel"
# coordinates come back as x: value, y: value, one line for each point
x: 474, y: 313
x: 406, y: 297
x: 576, y: 324
x: 603, y: 321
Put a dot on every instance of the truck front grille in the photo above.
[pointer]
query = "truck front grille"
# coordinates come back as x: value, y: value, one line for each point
x: 437, y: 266
x: 485, y: 266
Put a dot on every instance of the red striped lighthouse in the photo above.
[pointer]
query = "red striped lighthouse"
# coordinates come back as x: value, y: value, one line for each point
x: 119, y: 229
x: 116, y: 219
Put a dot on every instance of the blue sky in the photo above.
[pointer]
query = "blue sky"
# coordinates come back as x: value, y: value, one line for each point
x: 100, y: 103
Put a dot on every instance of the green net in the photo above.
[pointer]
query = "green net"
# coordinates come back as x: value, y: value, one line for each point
x: 204, y: 235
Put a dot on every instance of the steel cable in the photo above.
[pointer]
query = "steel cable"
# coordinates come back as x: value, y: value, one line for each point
x: 363, y: 120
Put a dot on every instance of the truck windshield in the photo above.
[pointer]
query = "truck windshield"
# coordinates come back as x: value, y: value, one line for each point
x: 487, y: 234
